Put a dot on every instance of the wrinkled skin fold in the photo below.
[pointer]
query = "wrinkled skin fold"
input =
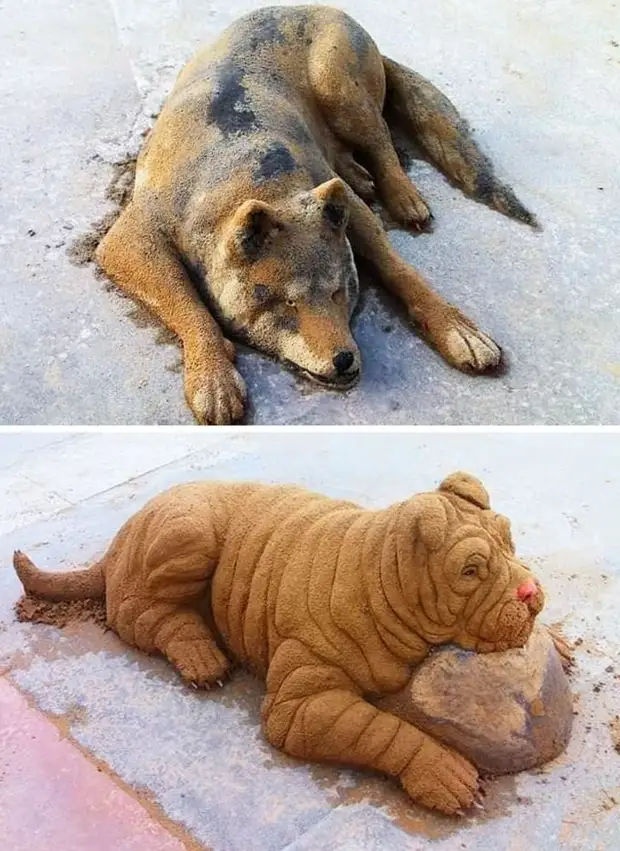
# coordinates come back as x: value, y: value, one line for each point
x: 328, y: 602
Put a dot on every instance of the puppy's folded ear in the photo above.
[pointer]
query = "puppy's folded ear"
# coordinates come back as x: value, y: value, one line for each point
x: 251, y: 228
x: 466, y: 487
x: 332, y: 199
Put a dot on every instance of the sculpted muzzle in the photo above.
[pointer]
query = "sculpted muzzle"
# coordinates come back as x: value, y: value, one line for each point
x: 509, y: 622
x: 480, y: 595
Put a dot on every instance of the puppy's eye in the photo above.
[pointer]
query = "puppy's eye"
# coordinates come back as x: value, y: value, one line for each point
x: 469, y: 571
x: 291, y: 303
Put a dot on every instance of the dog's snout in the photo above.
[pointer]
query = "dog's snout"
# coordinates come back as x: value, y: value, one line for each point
x: 343, y: 361
x: 527, y: 591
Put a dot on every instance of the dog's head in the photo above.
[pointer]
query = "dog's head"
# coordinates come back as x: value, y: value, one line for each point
x: 285, y: 282
x: 460, y: 575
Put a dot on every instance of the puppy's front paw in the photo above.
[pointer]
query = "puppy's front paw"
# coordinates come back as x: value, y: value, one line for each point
x: 441, y: 779
x: 463, y: 345
x: 216, y: 393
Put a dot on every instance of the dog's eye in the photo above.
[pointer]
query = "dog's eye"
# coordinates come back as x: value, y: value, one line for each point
x: 290, y: 302
x: 469, y: 570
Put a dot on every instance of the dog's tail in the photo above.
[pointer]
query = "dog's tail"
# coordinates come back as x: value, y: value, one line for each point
x: 59, y: 587
x: 434, y: 124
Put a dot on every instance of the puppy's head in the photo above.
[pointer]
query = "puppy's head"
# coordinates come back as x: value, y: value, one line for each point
x: 286, y: 282
x: 460, y: 572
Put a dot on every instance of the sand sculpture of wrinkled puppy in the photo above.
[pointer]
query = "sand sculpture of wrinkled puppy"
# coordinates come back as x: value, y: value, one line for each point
x: 249, y: 203
x: 330, y: 603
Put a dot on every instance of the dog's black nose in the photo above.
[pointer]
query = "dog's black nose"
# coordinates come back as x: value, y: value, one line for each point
x: 343, y: 361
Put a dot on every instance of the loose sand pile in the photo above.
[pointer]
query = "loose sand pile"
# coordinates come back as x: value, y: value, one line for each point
x: 81, y: 252
x: 30, y: 609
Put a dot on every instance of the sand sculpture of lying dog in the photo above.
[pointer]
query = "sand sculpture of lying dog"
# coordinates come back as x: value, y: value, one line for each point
x: 330, y: 603
x: 249, y: 203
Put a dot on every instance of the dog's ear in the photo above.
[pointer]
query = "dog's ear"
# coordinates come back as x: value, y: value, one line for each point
x: 251, y: 228
x: 466, y: 487
x: 332, y: 199
x: 431, y: 521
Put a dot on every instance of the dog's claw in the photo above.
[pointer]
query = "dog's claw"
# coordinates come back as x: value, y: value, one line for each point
x: 220, y: 683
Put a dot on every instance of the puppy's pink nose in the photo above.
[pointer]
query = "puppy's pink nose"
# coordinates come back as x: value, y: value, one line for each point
x: 527, y: 591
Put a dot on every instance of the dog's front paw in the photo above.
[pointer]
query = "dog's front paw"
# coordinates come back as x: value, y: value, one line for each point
x: 463, y: 345
x: 216, y: 393
x: 441, y: 779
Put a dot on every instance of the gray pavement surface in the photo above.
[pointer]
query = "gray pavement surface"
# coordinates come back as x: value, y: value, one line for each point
x: 538, y: 81
x: 199, y: 758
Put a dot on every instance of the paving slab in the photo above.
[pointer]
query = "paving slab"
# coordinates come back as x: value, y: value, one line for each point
x: 75, y: 470
x: 356, y: 828
x: 54, y: 474
x: 537, y: 81
x: 21, y: 444
x: 200, y: 759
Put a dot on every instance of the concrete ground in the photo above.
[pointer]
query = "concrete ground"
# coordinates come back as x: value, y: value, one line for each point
x: 539, y: 83
x: 104, y: 748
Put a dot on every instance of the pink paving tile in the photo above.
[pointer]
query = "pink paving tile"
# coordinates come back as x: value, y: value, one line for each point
x: 52, y: 797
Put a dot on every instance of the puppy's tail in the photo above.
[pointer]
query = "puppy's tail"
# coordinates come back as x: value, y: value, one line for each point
x: 59, y: 587
x: 434, y: 124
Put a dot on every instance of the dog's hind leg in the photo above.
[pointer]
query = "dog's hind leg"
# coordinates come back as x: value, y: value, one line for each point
x: 140, y: 260
x: 182, y: 636
x: 349, y: 85
x: 455, y: 336
x: 433, y: 123
x: 159, y: 571
x: 178, y: 632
